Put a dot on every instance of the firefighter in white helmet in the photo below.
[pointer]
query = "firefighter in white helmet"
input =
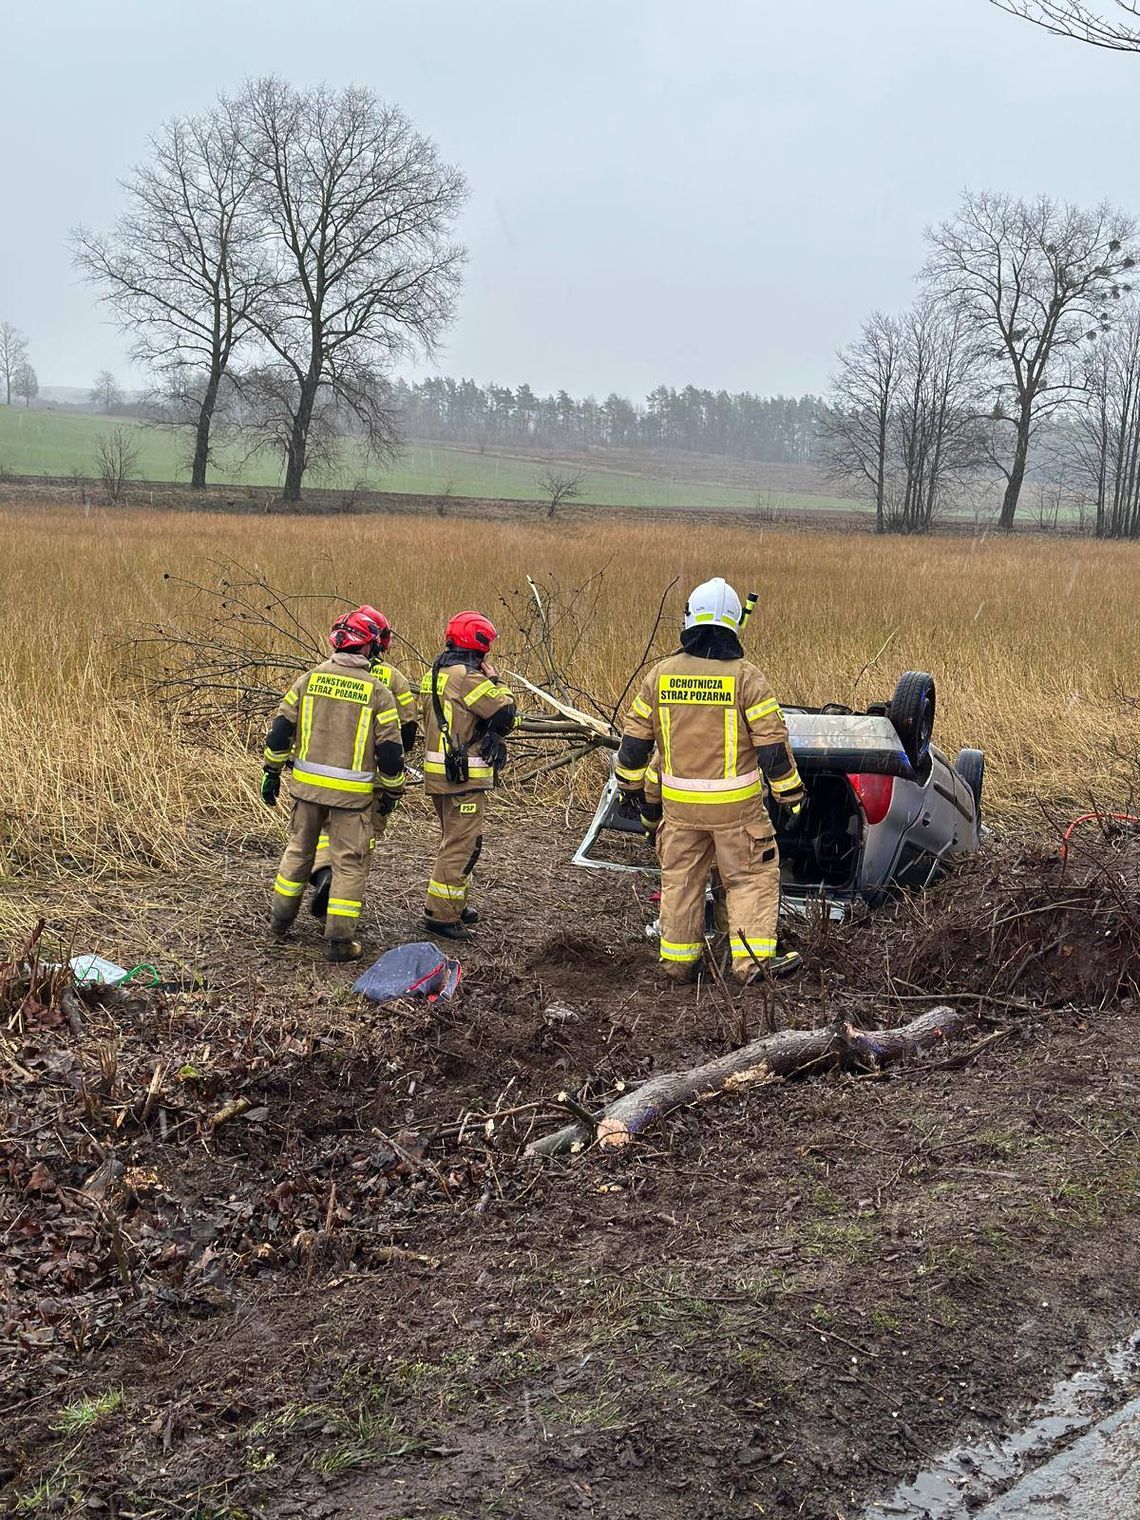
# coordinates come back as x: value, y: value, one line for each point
x: 720, y: 737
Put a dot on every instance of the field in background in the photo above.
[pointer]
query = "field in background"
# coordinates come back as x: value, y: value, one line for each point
x: 1033, y: 645
x: 41, y: 442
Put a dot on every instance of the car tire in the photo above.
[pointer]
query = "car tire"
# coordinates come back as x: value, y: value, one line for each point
x: 912, y: 713
x: 971, y: 766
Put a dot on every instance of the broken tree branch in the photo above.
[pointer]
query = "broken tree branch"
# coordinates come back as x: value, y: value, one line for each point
x: 571, y: 755
x: 231, y: 1110
x: 769, y: 1059
x: 604, y: 731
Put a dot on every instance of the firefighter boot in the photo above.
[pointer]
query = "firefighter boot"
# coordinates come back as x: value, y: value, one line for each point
x: 321, y: 883
x: 280, y: 928
x: 469, y: 916
x: 677, y: 974
x: 785, y: 963
x: 446, y: 929
x: 338, y: 950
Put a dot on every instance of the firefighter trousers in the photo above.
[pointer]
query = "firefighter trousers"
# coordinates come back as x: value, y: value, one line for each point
x: 323, y: 857
x: 461, y: 824
x: 748, y: 864
x: 349, y: 832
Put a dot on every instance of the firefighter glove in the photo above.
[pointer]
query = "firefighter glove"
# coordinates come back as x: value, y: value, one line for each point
x: 270, y: 787
x: 650, y: 816
x: 793, y: 814
x: 386, y: 802
x: 494, y: 750
x: 632, y: 804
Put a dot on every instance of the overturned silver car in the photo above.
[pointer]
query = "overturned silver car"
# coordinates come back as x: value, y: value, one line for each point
x: 885, y: 807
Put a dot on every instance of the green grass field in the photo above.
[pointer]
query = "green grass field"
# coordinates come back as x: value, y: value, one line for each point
x: 42, y: 442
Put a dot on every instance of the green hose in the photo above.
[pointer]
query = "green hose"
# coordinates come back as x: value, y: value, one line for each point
x: 138, y: 970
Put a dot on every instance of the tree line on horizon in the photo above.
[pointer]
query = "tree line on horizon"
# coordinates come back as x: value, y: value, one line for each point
x: 777, y: 429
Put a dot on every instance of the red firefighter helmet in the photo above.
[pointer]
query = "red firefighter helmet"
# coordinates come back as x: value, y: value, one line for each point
x: 471, y: 630
x: 355, y: 633
x: 381, y: 622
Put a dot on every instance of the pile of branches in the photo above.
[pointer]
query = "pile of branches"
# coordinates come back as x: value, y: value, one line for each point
x: 1020, y: 925
x: 33, y: 987
x: 238, y: 645
x: 242, y: 641
x: 552, y: 624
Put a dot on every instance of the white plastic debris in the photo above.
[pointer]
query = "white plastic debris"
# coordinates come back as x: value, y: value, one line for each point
x: 94, y: 971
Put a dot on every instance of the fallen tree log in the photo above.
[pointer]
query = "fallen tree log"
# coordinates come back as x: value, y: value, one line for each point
x: 769, y: 1059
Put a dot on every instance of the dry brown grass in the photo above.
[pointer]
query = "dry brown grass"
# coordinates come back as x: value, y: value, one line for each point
x: 1033, y: 643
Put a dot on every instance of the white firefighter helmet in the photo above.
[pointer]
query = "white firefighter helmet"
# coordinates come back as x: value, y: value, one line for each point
x: 713, y: 604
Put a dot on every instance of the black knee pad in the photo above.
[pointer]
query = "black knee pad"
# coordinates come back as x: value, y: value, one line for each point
x: 475, y: 854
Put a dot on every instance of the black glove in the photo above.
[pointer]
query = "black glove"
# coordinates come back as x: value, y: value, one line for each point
x: 631, y: 804
x: 793, y: 815
x: 270, y: 787
x: 494, y: 750
x: 387, y: 802
x: 651, y: 817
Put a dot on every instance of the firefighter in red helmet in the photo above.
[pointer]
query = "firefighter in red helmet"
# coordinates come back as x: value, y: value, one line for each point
x: 338, y: 730
x: 467, y: 714
x: 400, y: 687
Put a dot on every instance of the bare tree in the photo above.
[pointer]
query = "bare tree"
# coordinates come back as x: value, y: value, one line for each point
x: 266, y: 415
x: 361, y: 209
x: 182, y: 268
x: 13, y: 353
x: 105, y: 392
x: 936, y: 439
x: 1033, y: 281
x: 1072, y: 18
x: 445, y: 496
x: 559, y: 487
x: 855, y: 426
x: 903, y: 420
x: 25, y: 383
x: 117, y: 457
x: 177, y: 402
x: 1105, y: 432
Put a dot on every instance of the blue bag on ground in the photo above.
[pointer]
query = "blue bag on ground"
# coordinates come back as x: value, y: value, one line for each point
x: 408, y: 969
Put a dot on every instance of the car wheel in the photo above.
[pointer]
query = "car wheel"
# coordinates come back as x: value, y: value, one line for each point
x: 912, y: 713
x: 971, y: 766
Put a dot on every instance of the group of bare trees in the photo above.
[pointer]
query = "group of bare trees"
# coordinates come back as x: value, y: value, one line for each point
x: 1022, y: 302
x: 16, y: 373
x: 276, y: 255
x: 1101, y: 444
x: 903, y: 421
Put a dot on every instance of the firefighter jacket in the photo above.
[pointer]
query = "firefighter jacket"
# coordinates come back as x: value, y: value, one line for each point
x: 401, y: 688
x: 719, y: 734
x: 338, y: 728
x: 474, y: 706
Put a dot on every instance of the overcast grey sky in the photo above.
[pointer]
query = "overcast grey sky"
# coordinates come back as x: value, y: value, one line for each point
x: 706, y: 191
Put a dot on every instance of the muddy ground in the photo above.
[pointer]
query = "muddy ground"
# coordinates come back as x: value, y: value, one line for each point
x: 355, y: 1297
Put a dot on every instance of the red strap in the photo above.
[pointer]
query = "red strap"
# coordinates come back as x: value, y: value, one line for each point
x: 415, y: 987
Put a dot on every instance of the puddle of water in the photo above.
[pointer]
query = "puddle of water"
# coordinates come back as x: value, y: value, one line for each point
x: 1077, y: 1455
x: 1096, y: 1477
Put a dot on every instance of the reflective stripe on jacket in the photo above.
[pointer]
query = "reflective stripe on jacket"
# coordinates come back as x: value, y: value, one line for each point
x: 341, y: 715
x: 719, y: 734
x: 400, y: 687
x: 466, y: 696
